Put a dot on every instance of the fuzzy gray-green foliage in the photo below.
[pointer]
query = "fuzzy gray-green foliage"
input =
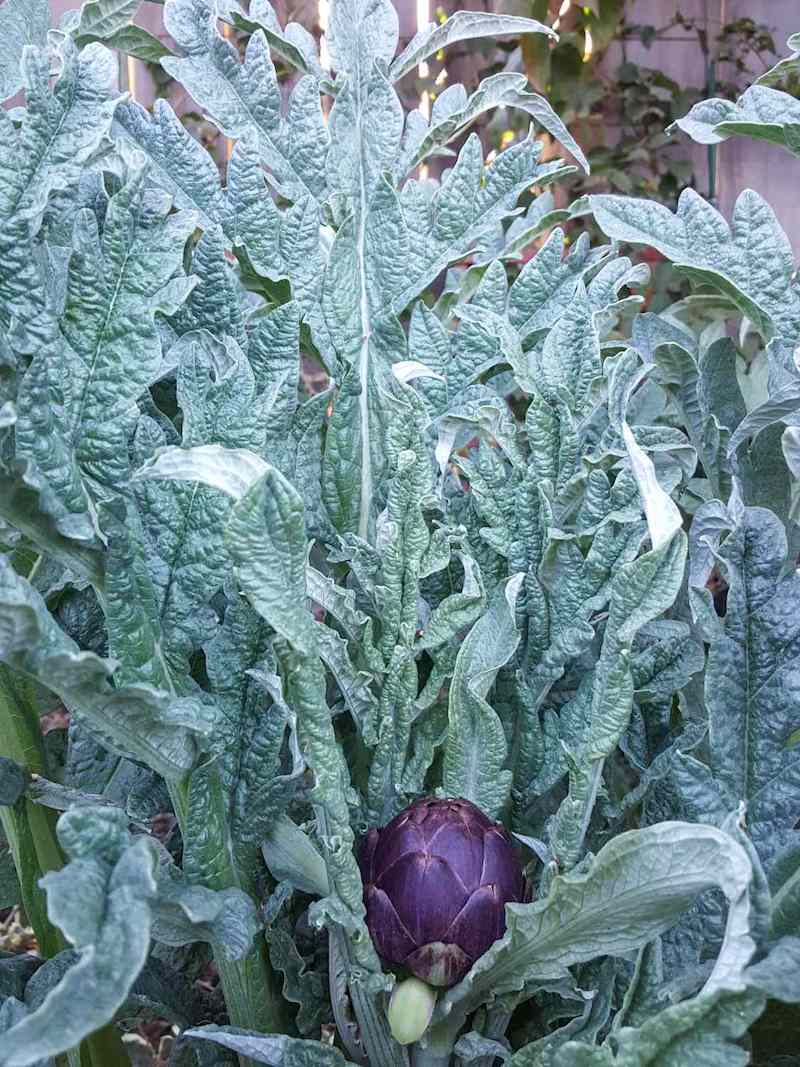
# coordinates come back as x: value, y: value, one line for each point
x: 477, y: 562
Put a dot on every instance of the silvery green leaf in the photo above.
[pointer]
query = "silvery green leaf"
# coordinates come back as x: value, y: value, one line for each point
x: 302, y: 984
x: 272, y: 569
x: 475, y: 753
x: 764, y: 480
x: 546, y: 285
x: 583, y: 1028
x: 778, y: 974
x: 786, y: 907
x: 366, y: 123
x: 244, y: 97
x: 213, y: 303
x: 784, y: 67
x: 13, y: 781
x: 16, y: 970
x: 363, y: 273
x: 402, y: 539
x: 343, y: 910
x: 614, y: 276
x: 666, y: 656
x: 456, y: 611
x: 101, y: 902
x: 184, y: 913
x: 461, y: 217
x: 498, y: 90
x: 709, y: 400
x: 542, y: 215
x: 230, y: 470
x: 253, y: 727
x: 790, y: 443
x: 705, y: 1026
x: 136, y: 42
x: 185, y: 553
x: 570, y: 357
x: 472, y: 1046
x: 645, y: 994
x: 760, y: 112
x: 640, y: 590
x: 650, y: 331
x: 267, y: 783
x: 354, y: 684
x: 362, y: 31
x: 663, y: 517
x: 113, y: 291
x: 267, y: 538
x: 10, y: 893
x: 292, y: 856
x: 461, y: 26
x: 479, y: 411
x: 749, y: 260
x: 492, y: 292
x: 783, y: 404
x: 751, y: 684
x: 178, y: 162
x: 635, y: 888
x: 60, y: 132
x: 136, y: 720
x: 132, y: 618
x: 12, y: 1010
x: 103, y: 18
x: 483, y: 340
x: 278, y: 243
x: 22, y: 23
x: 290, y: 43
x: 339, y: 601
x: 275, y: 1049
x: 41, y: 440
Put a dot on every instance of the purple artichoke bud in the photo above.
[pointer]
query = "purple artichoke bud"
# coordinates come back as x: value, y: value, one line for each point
x: 437, y: 879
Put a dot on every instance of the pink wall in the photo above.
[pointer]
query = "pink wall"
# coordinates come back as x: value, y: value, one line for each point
x: 741, y: 164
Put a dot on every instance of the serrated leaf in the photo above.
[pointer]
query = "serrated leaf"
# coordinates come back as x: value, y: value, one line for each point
x: 461, y: 26
x: 136, y: 720
x: 178, y: 162
x: 277, y: 1049
x: 475, y: 753
x: 101, y: 902
x: 22, y: 23
x: 751, y: 679
x: 272, y: 571
x: 636, y: 887
x: 749, y: 260
x: 760, y: 112
x: 244, y: 98
x: 707, y: 1026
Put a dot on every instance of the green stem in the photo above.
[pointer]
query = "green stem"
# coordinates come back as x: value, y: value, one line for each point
x: 436, y: 1050
x: 20, y: 734
x: 19, y: 834
x: 106, y: 1048
x: 252, y: 989
x: 30, y: 829
x: 31, y: 833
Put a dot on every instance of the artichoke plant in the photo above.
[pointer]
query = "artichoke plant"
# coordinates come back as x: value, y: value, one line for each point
x: 437, y: 879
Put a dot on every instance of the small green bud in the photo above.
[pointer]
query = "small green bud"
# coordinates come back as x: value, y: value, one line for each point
x: 410, y: 1010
